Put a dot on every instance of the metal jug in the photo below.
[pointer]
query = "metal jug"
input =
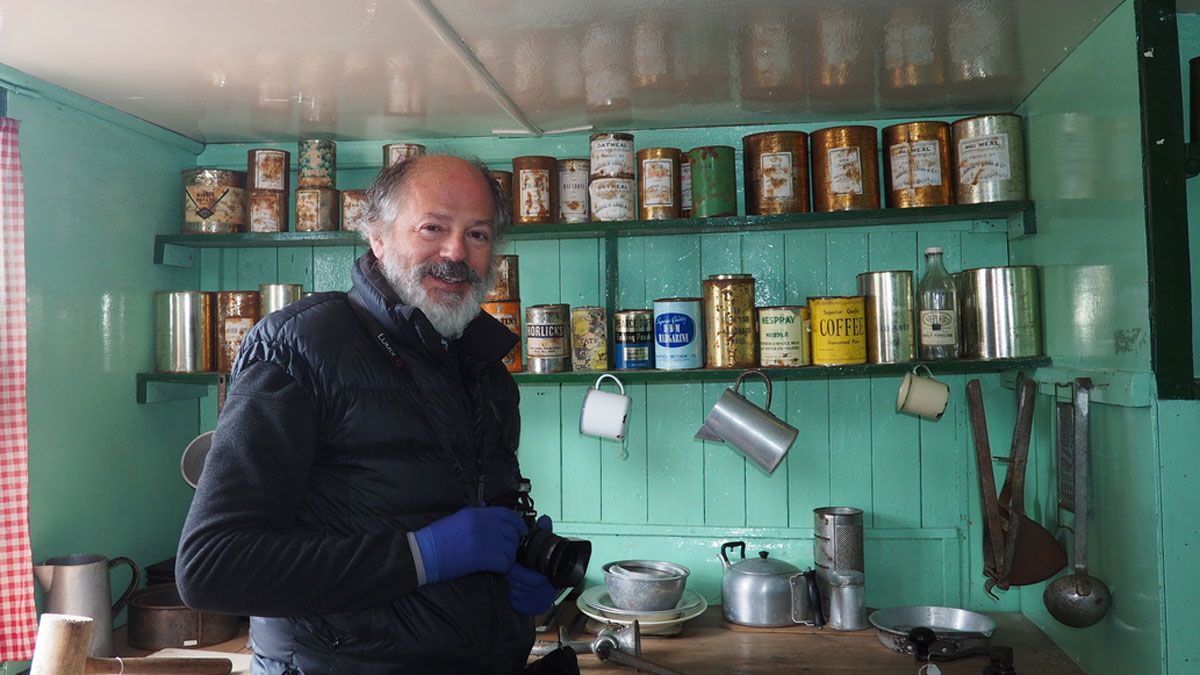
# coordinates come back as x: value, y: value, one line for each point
x: 754, y: 431
x: 78, y: 584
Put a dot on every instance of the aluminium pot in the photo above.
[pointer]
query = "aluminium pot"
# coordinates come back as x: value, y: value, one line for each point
x: 767, y: 592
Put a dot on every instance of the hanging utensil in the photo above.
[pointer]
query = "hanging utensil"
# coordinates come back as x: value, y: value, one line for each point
x: 1064, y: 451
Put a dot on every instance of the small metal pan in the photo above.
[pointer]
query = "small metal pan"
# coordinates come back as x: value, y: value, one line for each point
x: 956, y: 630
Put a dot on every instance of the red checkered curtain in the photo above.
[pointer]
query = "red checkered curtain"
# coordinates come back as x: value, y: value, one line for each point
x: 18, y: 616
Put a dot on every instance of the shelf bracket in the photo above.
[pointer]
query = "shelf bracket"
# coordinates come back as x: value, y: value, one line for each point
x: 149, y: 391
x: 166, y: 253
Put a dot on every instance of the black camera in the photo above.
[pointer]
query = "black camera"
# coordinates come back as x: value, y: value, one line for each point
x: 561, y: 560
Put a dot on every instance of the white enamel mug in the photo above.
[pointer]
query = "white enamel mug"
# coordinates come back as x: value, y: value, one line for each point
x: 604, y: 413
x: 922, y: 396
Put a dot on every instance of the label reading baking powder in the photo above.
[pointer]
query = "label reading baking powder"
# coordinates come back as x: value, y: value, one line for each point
x: 612, y: 199
x: 938, y: 327
x: 916, y: 164
x: 269, y: 170
x: 612, y: 157
x: 657, y: 183
x: 685, y: 185
x: 776, y: 170
x: 573, y: 196
x: 983, y: 159
x: 845, y: 171
x: 535, y: 192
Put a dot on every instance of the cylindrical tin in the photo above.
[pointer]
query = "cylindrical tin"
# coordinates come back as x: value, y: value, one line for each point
x: 182, y: 332
x: 317, y: 160
x: 613, y: 199
x: 508, y: 312
x: 845, y: 169
x: 268, y: 169
x: 508, y: 279
x: 714, y: 185
x: 316, y: 209
x: 237, y: 312
x: 504, y: 180
x: 267, y: 210
x: 354, y: 209
x: 589, y: 338
x: 839, y: 328
x: 678, y: 342
x: 1001, y: 312
x: 916, y: 165
x: 658, y: 183
x: 846, y: 608
x: 573, y: 178
x: 277, y: 296
x: 989, y: 151
x: 213, y: 201
x: 633, y: 339
x: 535, y: 189
x: 889, y: 298
x: 783, y: 336
x: 837, y: 546
x: 394, y: 153
x: 546, y: 342
x: 685, y: 187
x: 730, y: 336
x: 775, y: 164
x: 612, y: 155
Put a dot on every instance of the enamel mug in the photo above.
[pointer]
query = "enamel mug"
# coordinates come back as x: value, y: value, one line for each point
x: 922, y: 396
x: 604, y: 413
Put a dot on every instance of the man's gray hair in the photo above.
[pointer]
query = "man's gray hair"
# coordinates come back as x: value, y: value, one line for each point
x: 386, y: 196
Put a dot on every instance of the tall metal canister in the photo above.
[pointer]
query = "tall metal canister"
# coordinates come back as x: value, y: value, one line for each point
x: 278, y: 296
x: 889, y: 299
x: 612, y: 188
x: 1001, y: 312
x: 183, y: 332
x: 316, y: 162
x: 989, y: 151
x: 268, y: 175
x: 573, y: 178
x: 730, y: 333
x: 916, y: 165
x: 237, y: 312
x: 547, y: 338
x: 534, y: 189
x: 845, y: 169
x: 658, y: 183
x: 775, y: 164
x: 714, y: 183
x: 837, y: 545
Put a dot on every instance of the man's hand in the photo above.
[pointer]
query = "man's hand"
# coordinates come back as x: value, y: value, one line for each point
x: 530, y: 592
x: 475, y: 539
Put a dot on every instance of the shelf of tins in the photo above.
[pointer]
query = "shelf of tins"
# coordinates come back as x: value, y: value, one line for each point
x: 155, y: 387
x: 173, y: 249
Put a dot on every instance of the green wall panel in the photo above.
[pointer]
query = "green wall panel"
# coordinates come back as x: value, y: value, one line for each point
x: 1178, y: 429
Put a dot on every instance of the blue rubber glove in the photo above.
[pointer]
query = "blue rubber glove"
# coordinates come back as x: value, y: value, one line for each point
x: 475, y: 539
x: 530, y: 592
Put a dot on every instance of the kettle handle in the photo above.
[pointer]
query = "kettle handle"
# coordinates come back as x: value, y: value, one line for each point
x: 134, y: 578
x: 808, y: 580
x: 729, y: 545
x: 738, y: 383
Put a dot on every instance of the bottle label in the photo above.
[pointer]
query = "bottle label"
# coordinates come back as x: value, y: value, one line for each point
x: 776, y: 169
x: 983, y: 159
x: 939, y: 327
x: 845, y: 171
x: 916, y: 164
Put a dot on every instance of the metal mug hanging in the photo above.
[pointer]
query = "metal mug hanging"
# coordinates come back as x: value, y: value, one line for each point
x: 604, y: 413
x: 759, y: 435
x: 922, y: 396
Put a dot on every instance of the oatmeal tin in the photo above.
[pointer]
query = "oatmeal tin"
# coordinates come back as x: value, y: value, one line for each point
x: 916, y: 165
x: 989, y: 151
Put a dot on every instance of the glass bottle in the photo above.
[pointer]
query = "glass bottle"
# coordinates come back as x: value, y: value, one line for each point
x: 937, y: 310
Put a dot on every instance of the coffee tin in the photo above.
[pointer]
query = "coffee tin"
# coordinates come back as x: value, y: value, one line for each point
x: 535, y: 189
x: 508, y: 279
x: 274, y: 297
x: 889, y: 302
x: 783, y: 336
x: 775, y: 164
x: 573, y: 179
x: 213, y: 201
x: 633, y: 339
x: 916, y: 165
x: 685, y: 187
x: 714, y: 184
x: 845, y: 169
x: 1001, y: 312
x: 589, y: 338
x: 508, y: 312
x: 317, y: 209
x: 678, y: 334
x: 658, y: 183
x: 611, y: 155
x: 267, y: 210
x: 237, y: 312
x: 989, y: 151
x: 546, y: 341
x: 317, y: 159
x: 268, y: 169
x: 183, y: 332
x: 839, y: 330
x: 354, y: 209
x: 613, y: 199
x: 394, y: 153
x: 730, y: 334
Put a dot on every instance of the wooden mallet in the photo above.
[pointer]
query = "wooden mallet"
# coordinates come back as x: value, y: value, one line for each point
x: 62, y: 645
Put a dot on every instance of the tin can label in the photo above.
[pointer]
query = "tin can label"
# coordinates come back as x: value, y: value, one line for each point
x: 612, y: 198
x: 776, y: 171
x: 573, y: 196
x: 236, y: 328
x: 270, y: 170
x: 657, y: 183
x: 845, y: 171
x: 535, y: 192
x: 315, y: 210
x: 589, y: 339
x: 685, y: 185
x: 916, y: 164
x: 939, y: 327
x: 209, y: 206
x: 317, y: 160
x: 983, y: 159
x: 783, y: 336
x: 508, y: 313
x: 677, y: 335
x: 354, y: 210
x: 546, y: 340
x: 612, y: 157
x: 839, y: 329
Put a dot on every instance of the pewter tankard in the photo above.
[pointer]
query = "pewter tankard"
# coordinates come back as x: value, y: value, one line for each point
x: 78, y: 584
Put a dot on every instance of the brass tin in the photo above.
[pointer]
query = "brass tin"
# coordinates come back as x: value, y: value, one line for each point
x: 839, y: 330
x: 267, y: 210
x: 845, y: 169
x: 916, y: 165
x: 277, y: 296
x: 612, y: 155
x: 891, y: 336
x: 317, y: 163
x: 633, y: 339
x: 658, y: 183
x: 989, y: 153
x: 394, y: 153
x: 547, y: 345
x: 776, y: 172
x: 783, y: 336
x: 535, y: 189
x: 508, y: 279
x: 504, y: 180
x: 268, y: 169
x: 573, y: 178
x: 316, y: 209
x: 612, y: 199
x: 508, y: 312
x: 213, y: 201
x: 183, y: 331
x: 354, y: 209
x: 237, y: 312
x: 589, y: 339
x: 730, y: 334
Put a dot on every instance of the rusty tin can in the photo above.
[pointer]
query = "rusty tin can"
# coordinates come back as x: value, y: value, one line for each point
x: 213, y: 201
x: 730, y: 336
x: 535, y: 189
x: 612, y: 155
x: 354, y: 209
x: 504, y: 180
x: 237, y: 312
x: 633, y: 335
x: 845, y: 169
x: 589, y: 338
x: 916, y: 165
x: 267, y: 210
x: 783, y: 336
x: 678, y: 336
x: 508, y: 312
x: 685, y: 187
x: 573, y: 178
x: 613, y: 199
x: 889, y: 300
x: 658, y: 183
x: 317, y: 163
x: 547, y: 345
x: 775, y: 164
x: 989, y: 151
x: 183, y: 331
x: 268, y: 169
x: 839, y: 330
x: 394, y: 153
x: 316, y: 209
x: 714, y: 183
x: 508, y: 279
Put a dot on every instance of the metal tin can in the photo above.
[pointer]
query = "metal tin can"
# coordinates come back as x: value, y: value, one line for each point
x: 678, y: 334
x: 267, y: 210
x: 268, y: 169
x: 546, y: 343
x: 613, y: 199
x: 714, y: 185
x: 658, y: 183
x: 508, y: 279
x: 685, y: 187
x: 633, y: 339
x: 354, y: 209
x: 845, y: 169
x: 213, y: 201
x: 535, y: 189
x: 889, y: 299
x: 394, y: 153
x: 316, y: 209
x: 237, y: 312
x: 730, y: 336
x: 837, y: 546
x: 182, y: 332
x: 589, y: 338
x: 775, y: 164
x: 1001, y: 312
x: 612, y: 155
x: 573, y: 178
x: 916, y: 165
x: 317, y: 160
x: 783, y: 336
x: 989, y: 151
x: 508, y: 312
x: 273, y: 297
x: 504, y: 180
x: 839, y: 330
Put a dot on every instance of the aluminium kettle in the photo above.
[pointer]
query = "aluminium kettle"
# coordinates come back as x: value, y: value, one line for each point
x: 766, y: 591
x: 78, y: 584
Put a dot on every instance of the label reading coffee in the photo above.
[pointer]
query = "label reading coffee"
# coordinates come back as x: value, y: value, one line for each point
x: 845, y: 171
x: 983, y: 159
x: 939, y: 327
x: 916, y: 164
x: 776, y: 170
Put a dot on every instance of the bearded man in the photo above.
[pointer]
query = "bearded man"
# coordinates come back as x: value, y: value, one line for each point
x: 343, y: 503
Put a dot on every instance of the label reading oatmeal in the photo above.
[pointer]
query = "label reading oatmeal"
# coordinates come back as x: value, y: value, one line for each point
x: 983, y: 159
x: 612, y: 157
x: 916, y: 164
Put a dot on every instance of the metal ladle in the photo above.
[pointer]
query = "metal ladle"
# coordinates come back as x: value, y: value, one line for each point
x: 1079, y: 600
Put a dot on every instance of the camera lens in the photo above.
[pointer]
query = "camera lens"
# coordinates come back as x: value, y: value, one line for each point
x: 563, y: 561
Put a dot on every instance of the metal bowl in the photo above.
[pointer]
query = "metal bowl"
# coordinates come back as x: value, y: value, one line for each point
x: 956, y: 629
x: 645, y: 585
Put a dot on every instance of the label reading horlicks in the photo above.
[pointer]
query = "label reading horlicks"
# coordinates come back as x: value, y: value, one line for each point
x: 676, y: 341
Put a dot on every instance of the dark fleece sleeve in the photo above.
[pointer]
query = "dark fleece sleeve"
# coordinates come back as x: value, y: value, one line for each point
x: 241, y: 551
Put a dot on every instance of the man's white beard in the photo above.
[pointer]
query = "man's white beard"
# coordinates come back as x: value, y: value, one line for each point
x: 448, y: 313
